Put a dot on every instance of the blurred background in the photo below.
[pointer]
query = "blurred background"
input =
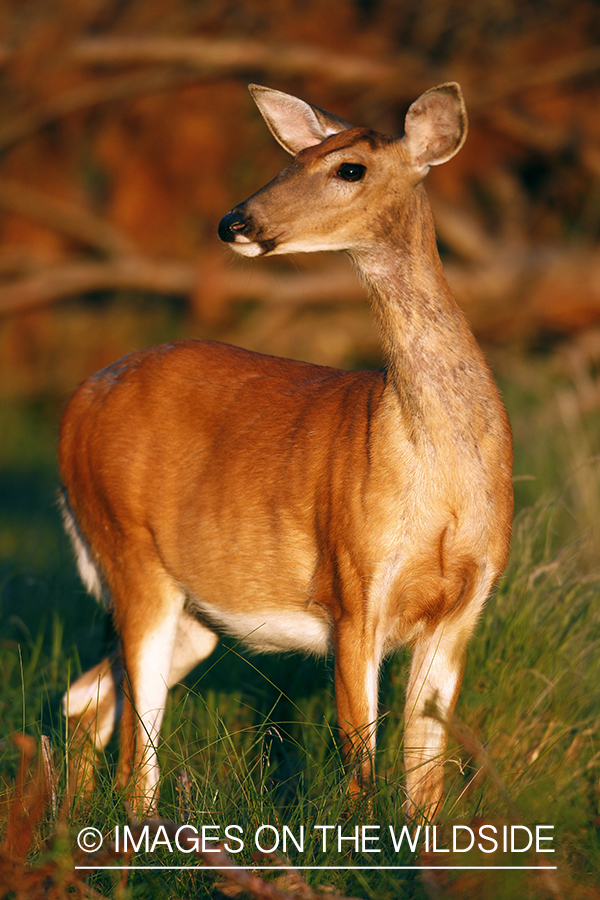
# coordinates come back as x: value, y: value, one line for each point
x: 126, y: 133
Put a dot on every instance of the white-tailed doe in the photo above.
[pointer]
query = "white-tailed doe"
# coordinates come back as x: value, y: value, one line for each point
x: 209, y: 490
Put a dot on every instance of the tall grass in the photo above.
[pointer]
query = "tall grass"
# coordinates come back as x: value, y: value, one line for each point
x: 256, y: 735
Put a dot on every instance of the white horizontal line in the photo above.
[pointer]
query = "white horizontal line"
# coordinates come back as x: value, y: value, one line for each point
x: 251, y: 869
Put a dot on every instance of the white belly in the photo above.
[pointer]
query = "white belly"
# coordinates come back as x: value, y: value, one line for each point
x: 272, y: 631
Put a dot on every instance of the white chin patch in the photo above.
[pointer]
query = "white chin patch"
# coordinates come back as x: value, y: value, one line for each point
x: 246, y: 247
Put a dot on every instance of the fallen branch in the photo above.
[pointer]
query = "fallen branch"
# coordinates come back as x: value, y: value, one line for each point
x: 515, y: 80
x: 65, y: 217
x: 524, y: 293
x: 70, y: 279
x: 85, y: 96
x: 513, y: 293
x: 189, y: 58
x: 333, y: 285
x: 222, y: 56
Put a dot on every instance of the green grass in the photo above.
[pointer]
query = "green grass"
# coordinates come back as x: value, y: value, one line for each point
x: 256, y: 734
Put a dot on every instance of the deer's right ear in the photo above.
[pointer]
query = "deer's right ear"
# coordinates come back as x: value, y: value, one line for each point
x: 295, y: 124
x: 435, y: 126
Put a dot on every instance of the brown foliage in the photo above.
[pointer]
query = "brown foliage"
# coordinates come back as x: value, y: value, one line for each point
x: 127, y: 133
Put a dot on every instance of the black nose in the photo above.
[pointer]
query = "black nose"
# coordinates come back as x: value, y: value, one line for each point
x: 230, y: 225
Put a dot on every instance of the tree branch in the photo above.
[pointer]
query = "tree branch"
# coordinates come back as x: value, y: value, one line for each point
x: 91, y: 93
x: 68, y: 218
x: 222, y: 56
x: 69, y: 279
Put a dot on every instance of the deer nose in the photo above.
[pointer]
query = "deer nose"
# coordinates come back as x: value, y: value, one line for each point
x: 232, y: 224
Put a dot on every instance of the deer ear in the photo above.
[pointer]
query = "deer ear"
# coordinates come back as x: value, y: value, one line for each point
x: 292, y: 122
x: 435, y: 126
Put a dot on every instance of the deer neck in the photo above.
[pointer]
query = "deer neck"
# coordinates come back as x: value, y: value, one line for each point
x: 437, y: 374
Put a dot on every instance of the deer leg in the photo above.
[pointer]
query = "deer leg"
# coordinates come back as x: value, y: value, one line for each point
x: 356, y: 680
x: 194, y: 643
x: 92, y: 705
x: 436, y: 673
x: 158, y: 651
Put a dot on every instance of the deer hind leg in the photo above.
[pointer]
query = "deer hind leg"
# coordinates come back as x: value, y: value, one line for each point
x: 172, y: 642
x: 92, y: 706
x: 436, y: 673
x: 176, y: 653
x: 161, y: 644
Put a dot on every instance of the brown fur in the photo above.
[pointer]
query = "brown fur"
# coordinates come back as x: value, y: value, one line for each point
x: 211, y: 490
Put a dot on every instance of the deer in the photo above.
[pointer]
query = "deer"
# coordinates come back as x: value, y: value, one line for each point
x: 210, y: 490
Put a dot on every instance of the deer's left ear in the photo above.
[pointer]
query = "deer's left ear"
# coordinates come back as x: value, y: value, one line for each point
x: 435, y: 126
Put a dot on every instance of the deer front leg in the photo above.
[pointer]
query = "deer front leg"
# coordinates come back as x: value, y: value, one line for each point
x: 435, y: 678
x: 356, y: 676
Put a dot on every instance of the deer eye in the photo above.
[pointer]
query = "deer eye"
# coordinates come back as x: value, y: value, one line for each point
x: 351, y: 171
